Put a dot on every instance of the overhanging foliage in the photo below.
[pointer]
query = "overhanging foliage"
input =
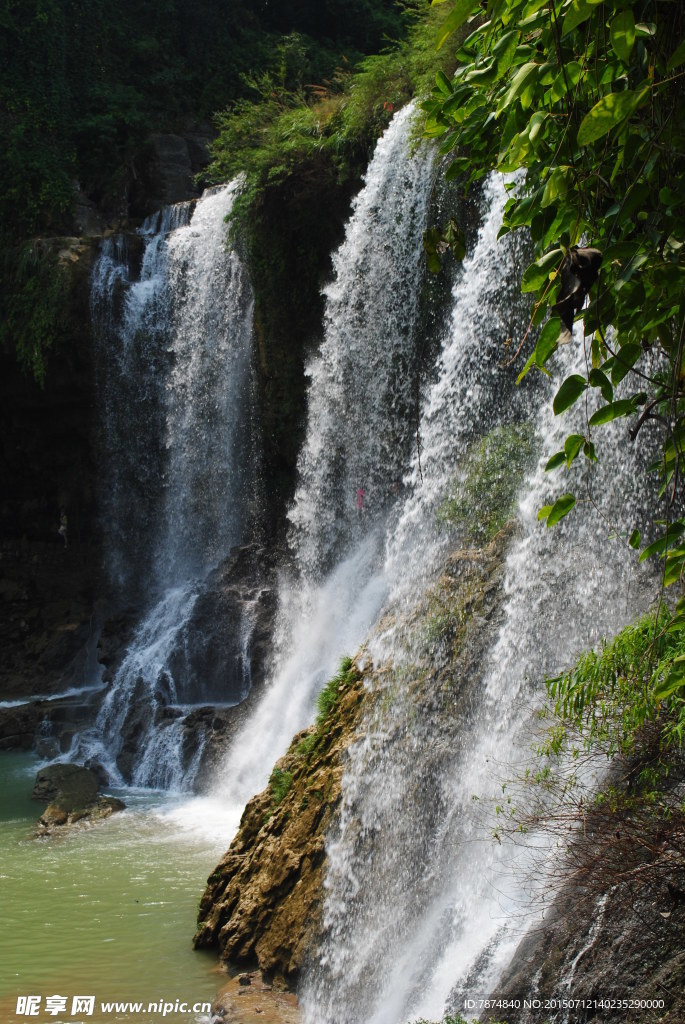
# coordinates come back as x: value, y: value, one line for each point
x: 585, y: 100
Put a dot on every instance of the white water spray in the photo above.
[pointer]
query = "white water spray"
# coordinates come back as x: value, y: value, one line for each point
x: 422, y: 907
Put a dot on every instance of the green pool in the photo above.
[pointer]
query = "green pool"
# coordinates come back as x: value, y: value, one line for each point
x: 106, y: 911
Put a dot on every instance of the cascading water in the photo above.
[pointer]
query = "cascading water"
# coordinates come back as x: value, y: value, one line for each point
x: 361, y: 416
x: 130, y: 314
x: 176, y: 390
x: 362, y: 383
x: 422, y: 907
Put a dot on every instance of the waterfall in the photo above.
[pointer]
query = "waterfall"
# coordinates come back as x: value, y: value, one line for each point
x: 359, y: 434
x: 422, y: 907
x: 361, y: 397
x: 175, y: 388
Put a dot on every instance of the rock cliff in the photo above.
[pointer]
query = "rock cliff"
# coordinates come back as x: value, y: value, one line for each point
x: 262, y: 905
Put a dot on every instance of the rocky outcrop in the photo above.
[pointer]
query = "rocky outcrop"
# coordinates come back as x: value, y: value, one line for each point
x: 262, y: 905
x: 248, y: 999
x: 614, y: 931
x: 221, y: 654
x: 71, y: 792
x: 47, y: 616
x: 164, y: 171
x: 217, y: 664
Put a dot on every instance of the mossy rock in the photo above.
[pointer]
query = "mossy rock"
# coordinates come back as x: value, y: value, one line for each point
x: 482, y: 496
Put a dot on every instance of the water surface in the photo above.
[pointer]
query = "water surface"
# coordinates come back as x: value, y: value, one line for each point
x: 106, y: 911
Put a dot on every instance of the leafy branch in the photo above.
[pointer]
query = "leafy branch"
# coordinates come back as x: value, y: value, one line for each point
x: 584, y: 102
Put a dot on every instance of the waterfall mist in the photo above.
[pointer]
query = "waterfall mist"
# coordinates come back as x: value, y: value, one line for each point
x: 421, y: 907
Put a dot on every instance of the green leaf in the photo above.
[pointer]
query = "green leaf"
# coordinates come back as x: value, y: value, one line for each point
x: 558, y: 459
x: 625, y: 359
x: 569, y: 392
x: 660, y: 545
x: 607, y: 113
x: 613, y: 411
x: 443, y: 83
x: 599, y: 379
x: 530, y: 362
x: 557, y: 185
x: 537, y: 274
x: 674, y: 681
x: 504, y: 51
x: 455, y: 19
x: 454, y: 237
x: 548, y: 342
x: 572, y: 446
x: 622, y: 34
x: 561, y: 507
x: 634, y: 540
x: 433, y: 263
x: 578, y: 12
x: 675, y: 564
x: 544, y: 512
x: 518, y: 83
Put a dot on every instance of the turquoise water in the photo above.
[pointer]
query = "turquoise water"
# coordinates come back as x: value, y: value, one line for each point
x: 105, y: 911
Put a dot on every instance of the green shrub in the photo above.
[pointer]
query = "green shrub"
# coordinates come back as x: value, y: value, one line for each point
x: 330, y: 694
x: 610, y: 696
x: 279, y: 784
x: 286, y: 120
x: 34, y: 306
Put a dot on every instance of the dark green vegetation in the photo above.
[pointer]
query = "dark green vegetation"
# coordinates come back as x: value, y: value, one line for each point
x: 585, y: 101
x: 612, y: 696
x: 606, y: 782
x: 289, y: 117
x: 347, y: 674
x: 35, y: 305
x: 484, y: 495
x: 315, y: 741
x: 279, y: 783
x: 83, y: 84
x: 303, y: 144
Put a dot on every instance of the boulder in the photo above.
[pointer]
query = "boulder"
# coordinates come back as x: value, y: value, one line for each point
x: 69, y: 786
x: 72, y: 794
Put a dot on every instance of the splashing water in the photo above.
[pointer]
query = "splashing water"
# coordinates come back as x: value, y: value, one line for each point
x: 422, y: 908
x: 361, y: 417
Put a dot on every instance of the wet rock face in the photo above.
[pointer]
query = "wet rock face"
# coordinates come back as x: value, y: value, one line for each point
x: 250, y: 1000
x: 262, y: 905
x: 215, y: 669
x: 222, y: 653
x: 603, y: 941
x: 69, y: 785
x: 166, y: 169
